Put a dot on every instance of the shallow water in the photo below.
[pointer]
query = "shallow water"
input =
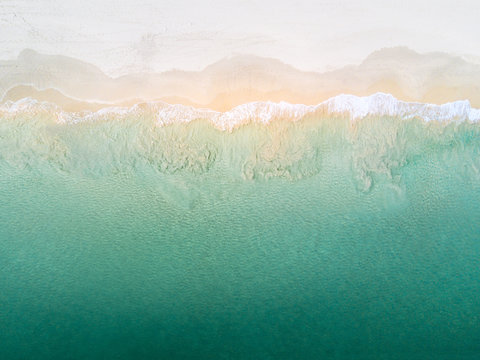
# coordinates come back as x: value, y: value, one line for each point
x: 314, y: 239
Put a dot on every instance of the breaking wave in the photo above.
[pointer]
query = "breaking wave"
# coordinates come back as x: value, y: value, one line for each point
x: 374, y: 137
x: 354, y: 107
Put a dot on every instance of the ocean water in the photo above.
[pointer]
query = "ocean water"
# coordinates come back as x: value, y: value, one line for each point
x: 320, y: 238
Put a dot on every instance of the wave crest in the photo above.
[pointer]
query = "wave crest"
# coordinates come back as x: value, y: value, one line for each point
x: 353, y: 107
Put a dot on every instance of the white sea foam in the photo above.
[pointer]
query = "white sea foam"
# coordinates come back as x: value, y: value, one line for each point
x: 385, y: 104
x: 355, y: 107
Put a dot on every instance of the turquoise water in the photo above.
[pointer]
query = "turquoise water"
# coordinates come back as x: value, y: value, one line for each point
x: 310, y: 240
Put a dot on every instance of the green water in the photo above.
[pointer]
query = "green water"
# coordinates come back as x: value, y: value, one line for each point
x: 311, y: 240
